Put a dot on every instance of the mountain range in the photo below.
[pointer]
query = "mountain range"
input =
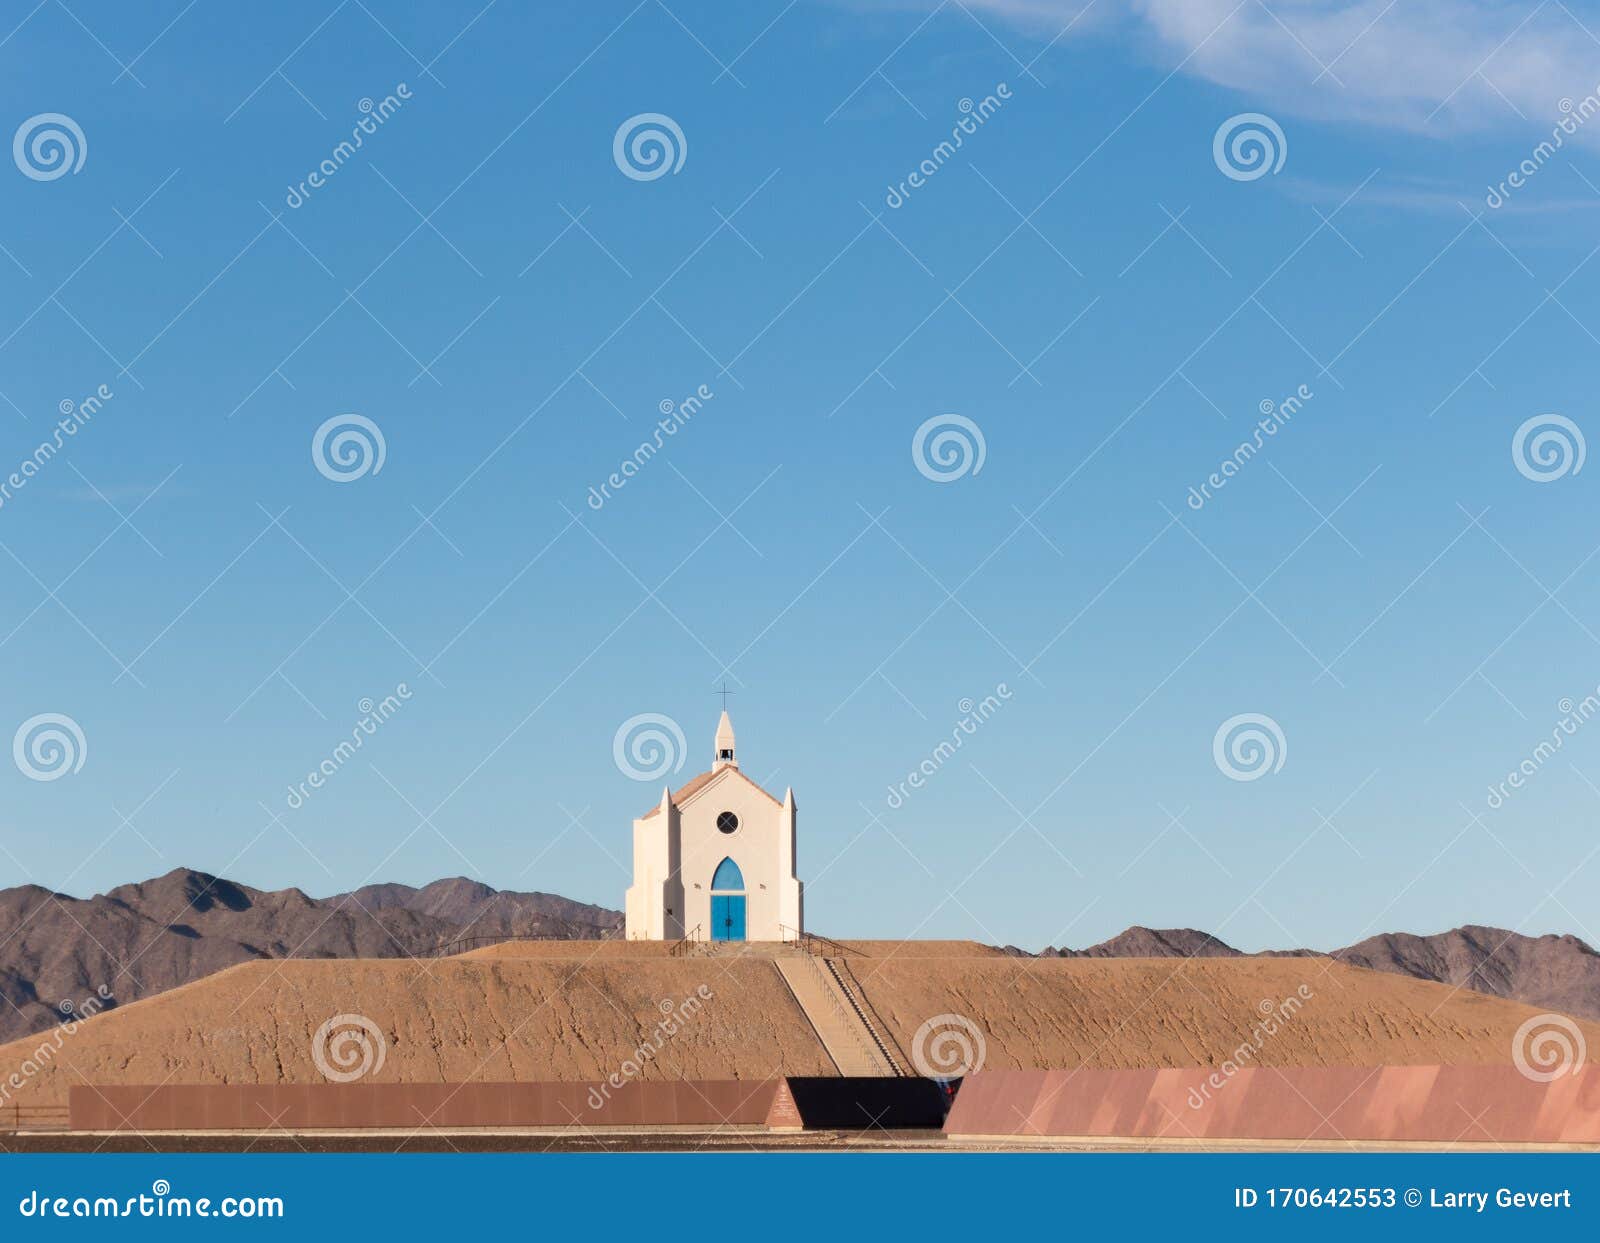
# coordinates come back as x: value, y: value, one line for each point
x: 1558, y: 973
x: 141, y: 939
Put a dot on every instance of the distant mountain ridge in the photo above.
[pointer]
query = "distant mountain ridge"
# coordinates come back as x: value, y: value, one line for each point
x: 1558, y: 973
x: 463, y: 901
x: 1137, y: 942
x: 140, y: 939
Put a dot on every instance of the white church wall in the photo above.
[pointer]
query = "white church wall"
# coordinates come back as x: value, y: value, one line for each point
x: 754, y: 847
x: 677, y: 850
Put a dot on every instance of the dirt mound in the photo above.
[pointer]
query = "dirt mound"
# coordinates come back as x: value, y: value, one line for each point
x: 922, y: 949
x: 576, y: 951
x: 139, y: 940
x: 543, y: 1016
x: 448, y: 1021
x: 1150, y: 1013
x: 608, y: 950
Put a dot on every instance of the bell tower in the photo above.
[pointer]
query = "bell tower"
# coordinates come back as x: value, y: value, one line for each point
x: 723, y: 755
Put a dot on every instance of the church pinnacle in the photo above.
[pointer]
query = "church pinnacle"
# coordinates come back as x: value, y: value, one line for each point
x: 724, y: 744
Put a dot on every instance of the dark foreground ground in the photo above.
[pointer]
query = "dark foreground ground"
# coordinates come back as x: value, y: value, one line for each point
x: 726, y: 1140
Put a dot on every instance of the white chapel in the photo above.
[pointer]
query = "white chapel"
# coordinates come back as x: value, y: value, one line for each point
x: 715, y: 861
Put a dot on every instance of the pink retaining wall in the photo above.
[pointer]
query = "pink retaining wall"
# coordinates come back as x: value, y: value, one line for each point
x: 1424, y: 1104
x: 223, y: 1107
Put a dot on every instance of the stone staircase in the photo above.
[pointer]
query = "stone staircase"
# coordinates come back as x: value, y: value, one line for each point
x: 833, y: 1015
x: 741, y: 949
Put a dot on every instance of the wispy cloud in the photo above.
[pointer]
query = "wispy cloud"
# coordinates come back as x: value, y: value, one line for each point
x: 1426, y: 65
x: 1434, y: 197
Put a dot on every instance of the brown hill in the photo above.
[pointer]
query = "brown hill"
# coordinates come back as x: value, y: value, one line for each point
x: 1139, y: 942
x: 472, y: 903
x: 141, y: 939
x: 578, y: 1012
x: 1551, y: 972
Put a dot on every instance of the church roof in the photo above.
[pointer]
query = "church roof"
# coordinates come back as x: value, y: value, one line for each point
x: 695, y: 785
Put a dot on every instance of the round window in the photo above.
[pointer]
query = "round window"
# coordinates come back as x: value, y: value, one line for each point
x: 727, y: 822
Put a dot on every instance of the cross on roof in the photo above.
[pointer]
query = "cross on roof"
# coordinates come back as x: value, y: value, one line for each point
x: 724, y: 692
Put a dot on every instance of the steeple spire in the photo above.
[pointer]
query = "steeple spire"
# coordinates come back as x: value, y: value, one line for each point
x: 724, y: 744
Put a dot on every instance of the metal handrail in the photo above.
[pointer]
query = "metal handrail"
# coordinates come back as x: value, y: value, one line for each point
x: 873, y: 1055
x: 866, y: 1020
x: 809, y: 941
x: 833, y: 1001
x: 691, y: 938
x: 815, y: 947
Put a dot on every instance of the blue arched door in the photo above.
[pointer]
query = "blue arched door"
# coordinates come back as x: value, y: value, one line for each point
x: 727, y: 902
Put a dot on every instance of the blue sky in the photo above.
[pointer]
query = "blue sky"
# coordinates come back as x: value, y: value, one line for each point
x: 1080, y: 279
